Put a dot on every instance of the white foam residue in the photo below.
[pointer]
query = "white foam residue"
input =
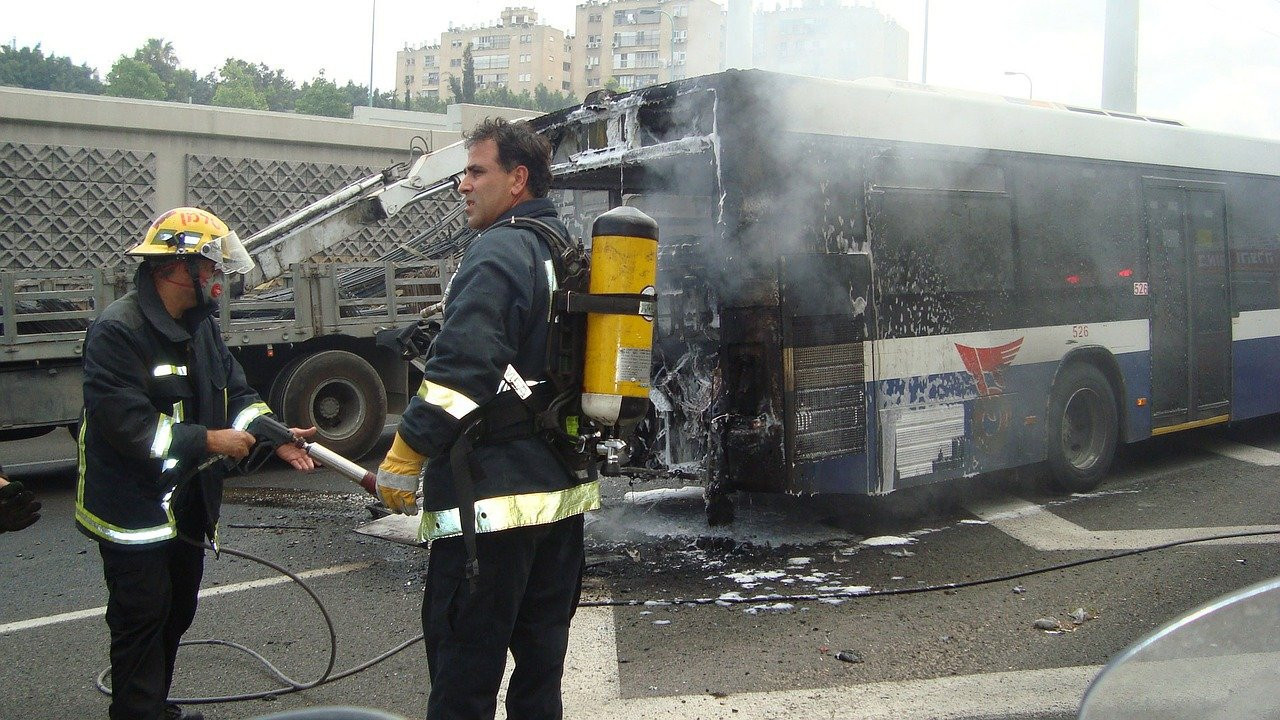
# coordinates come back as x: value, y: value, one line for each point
x: 649, y: 497
x: 886, y: 540
x: 755, y: 576
x: 775, y: 607
x: 845, y: 589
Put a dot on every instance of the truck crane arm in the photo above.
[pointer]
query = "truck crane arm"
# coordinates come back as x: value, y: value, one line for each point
x: 334, y: 217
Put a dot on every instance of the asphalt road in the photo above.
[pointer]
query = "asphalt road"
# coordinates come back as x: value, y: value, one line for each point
x: 697, y: 627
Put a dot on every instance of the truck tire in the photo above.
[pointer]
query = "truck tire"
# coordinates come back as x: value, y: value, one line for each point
x: 340, y: 394
x: 1083, y: 428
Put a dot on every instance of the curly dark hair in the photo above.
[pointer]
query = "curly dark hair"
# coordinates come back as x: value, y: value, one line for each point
x: 517, y: 145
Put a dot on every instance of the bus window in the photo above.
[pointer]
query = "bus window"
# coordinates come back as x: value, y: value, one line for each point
x: 944, y: 257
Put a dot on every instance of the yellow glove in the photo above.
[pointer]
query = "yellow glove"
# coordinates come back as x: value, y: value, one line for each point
x: 398, y: 478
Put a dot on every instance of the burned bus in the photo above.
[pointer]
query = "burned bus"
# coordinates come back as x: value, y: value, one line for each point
x: 872, y: 285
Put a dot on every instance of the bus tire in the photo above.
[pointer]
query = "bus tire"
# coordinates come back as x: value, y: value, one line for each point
x: 1083, y: 428
x: 340, y: 394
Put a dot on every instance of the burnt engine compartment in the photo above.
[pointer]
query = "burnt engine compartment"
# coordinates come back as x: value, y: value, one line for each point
x: 722, y: 187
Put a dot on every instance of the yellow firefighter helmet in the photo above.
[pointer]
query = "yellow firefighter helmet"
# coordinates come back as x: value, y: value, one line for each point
x: 192, y: 232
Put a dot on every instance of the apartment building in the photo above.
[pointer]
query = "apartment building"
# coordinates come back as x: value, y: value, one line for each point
x: 643, y: 42
x: 516, y: 52
x: 826, y: 38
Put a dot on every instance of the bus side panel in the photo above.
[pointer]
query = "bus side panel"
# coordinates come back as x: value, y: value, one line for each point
x: 982, y: 405
x: 1255, y: 359
x: 1135, y: 374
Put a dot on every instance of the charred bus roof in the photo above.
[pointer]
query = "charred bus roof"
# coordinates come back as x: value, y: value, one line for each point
x: 636, y: 136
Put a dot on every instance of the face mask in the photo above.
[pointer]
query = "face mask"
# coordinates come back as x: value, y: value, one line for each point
x: 207, y: 291
x: 211, y: 290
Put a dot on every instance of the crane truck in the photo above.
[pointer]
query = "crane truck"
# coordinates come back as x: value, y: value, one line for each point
x: 307, y: 333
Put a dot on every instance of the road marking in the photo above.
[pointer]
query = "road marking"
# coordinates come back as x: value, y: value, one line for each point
x: 1040, y: 529
x: 1237, y: 451
x: 210, y: 592
x: 592, y: 690
x: 46, y: 464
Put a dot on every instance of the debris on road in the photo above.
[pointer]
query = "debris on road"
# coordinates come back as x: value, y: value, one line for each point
x: 848, y: 656
x: 1080, y: 616
x: 1048, y: 624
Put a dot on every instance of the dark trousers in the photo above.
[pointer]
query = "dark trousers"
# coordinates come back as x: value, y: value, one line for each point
x: 151, y: 602
x: 527, y: 591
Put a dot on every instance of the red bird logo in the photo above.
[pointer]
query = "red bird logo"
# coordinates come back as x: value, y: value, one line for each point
x: 987, y: 365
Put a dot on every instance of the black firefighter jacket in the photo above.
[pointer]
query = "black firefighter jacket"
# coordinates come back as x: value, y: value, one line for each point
x: 152, y: 385
x: 497, y: 314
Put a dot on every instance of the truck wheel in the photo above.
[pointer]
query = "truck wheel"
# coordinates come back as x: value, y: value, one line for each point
x: 1083, y: 428
x: 340, y: 394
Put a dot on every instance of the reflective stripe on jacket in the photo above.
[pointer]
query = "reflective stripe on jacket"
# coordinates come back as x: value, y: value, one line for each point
x: 152, y: 385
x: 497, y: 314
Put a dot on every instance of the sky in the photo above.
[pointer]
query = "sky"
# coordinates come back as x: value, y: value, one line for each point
x: 1208, y: 63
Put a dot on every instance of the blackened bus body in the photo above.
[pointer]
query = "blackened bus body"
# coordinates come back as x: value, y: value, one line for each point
x: 865, y: 286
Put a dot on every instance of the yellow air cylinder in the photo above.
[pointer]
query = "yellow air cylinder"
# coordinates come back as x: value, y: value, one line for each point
x: 619, y: 348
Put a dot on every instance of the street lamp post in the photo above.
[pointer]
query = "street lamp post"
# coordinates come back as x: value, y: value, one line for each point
x: 1030, y: 87
x: 373, y: 24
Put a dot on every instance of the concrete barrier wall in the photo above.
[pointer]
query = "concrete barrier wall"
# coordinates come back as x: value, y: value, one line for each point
x: 82, y: 175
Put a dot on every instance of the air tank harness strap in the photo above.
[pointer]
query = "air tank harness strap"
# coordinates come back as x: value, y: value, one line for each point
x: 504, y: 418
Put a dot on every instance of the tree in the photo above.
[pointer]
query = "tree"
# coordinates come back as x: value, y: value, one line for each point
x: 464, y: 89
x: 159, y: 55
x: 237, y: 87
x: 323, y: 97
x: 429, y: 104
x: 259, y: 85
x: 131, y: 78
x: 548, y: 101
x: 502, y: 96
x: 187, y: 88
x: 468, y: 75
x: 30, y: 68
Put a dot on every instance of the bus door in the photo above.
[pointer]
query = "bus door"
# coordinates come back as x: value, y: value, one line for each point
x: 1190, y: 303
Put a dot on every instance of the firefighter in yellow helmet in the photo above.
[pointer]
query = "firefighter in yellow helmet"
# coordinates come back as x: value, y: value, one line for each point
x: 162, y: 394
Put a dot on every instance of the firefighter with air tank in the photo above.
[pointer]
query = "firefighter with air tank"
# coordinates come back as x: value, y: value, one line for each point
x: 521, y: 397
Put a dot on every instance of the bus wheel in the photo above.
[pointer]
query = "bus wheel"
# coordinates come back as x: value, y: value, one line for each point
x: 340, y: 394
x: 1082, y: 428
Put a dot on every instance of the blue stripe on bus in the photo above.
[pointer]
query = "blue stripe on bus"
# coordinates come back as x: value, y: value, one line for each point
x: 1000, y: 431
x: 1256, y: 377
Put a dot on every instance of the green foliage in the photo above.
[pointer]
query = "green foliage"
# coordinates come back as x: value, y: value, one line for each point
x: 131, y: 78
x: 154, y: 72
x: 187, y: 88
x: 468, y: 75
x: 257, y: 82
x: 30, y: 68
x: 158, y: 54
x: 503, y: 97
x: 548, y: 101
x: 455, y: 88
x: 324, y: 97
x: 237, y: 87
x: 428, y: 104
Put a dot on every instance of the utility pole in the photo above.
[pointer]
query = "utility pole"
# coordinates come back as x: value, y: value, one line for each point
x: 1120, y: 57
x: 373, y: 23
x: 924, y: 61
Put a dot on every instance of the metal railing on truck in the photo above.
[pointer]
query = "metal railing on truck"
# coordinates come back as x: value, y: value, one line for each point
x: 44, y: 313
